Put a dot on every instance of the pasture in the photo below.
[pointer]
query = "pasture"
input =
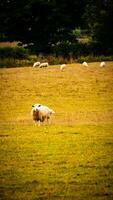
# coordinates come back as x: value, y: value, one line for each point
x: 72, y: 158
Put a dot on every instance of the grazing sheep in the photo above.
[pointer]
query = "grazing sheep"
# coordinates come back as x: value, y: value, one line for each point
x: 40, y: 113
x: 36, y: 64
x: 102, y: 64
x: 63, y: 66
x: 85, y: 64
x: 44, y: 65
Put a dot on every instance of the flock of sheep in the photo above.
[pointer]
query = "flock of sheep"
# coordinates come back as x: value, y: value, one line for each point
x: 40, y: 65
x: 62, y: 66
x: 41, y: 113
x: 102, y: 64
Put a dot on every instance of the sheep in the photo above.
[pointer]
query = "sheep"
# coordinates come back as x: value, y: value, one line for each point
x: 102, y: 64
x: 44, y: 65
x: 41, y: 113
x: 85, y: 64
x: 63, y: 66
x: 36, y: 64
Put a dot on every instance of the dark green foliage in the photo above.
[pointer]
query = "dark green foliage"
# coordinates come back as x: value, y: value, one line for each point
x: 40, y: 23
x: 13, y: 52
x: 49, y: 26
x: 98, y: 18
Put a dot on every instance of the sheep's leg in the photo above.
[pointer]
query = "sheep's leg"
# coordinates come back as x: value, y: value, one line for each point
x: 39, y: 123
x: 35, y: 123
x: 48, y: 120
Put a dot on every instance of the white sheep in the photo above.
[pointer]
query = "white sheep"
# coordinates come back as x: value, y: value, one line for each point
x: 85, y: 64
x: 36, y: 64
x: 102, y: 64
x: 62, y: 67
x: 44, y: 65
x: 41, y: 113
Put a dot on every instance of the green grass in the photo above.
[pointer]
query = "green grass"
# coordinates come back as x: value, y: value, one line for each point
x: 72, y: 157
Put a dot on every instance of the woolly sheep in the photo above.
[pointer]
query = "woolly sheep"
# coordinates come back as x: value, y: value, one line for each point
x: 85, y: 64
x: 102, y: 64
x: 36, y: 64
x: 44, y: 65
x: 63, y: 66
x: 41, y: 113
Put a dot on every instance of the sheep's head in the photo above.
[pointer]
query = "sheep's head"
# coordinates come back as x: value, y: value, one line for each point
x: 36, y: 105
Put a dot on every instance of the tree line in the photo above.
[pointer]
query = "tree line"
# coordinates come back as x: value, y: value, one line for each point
x: 50, y: 25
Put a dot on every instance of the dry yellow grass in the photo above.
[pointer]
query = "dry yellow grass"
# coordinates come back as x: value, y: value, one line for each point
x: 78, y: 94
x: 69, y: 159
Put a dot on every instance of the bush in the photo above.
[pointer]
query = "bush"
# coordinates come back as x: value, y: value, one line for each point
x: 61, y: 53
x: 14, y: 52
x: 71, y: 49
x: 91, y: 58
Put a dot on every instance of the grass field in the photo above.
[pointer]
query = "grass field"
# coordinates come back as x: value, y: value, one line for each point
x: 70, y: 159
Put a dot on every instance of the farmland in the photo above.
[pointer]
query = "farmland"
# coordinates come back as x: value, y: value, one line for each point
x: 71, y: 158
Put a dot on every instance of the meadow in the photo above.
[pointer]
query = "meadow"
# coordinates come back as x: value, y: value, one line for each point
x: 70, y: 158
